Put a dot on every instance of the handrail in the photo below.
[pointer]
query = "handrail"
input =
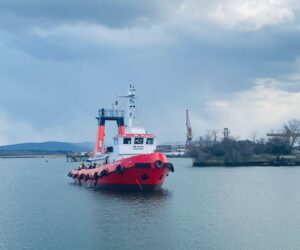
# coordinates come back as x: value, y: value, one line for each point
x: 111, y: 113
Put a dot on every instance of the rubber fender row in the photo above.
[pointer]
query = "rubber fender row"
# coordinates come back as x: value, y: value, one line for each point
x: 119, y: 169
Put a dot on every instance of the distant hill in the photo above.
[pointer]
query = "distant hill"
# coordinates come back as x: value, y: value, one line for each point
x: 50, y: 146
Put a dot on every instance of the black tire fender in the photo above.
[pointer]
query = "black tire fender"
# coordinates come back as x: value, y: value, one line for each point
x: 171, y: 167
x: 119, y: 169
x: 96, y: 176
x: 103, y: 172
x: 158, y: 164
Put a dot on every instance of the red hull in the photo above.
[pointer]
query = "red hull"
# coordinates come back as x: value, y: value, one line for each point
x: 142, y: 172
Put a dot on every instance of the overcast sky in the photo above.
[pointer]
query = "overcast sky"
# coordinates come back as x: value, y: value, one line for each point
x: 233, y: 63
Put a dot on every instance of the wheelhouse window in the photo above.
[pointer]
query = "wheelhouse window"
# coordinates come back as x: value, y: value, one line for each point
x: 127, y: 141
x: 138, y: 140
x: 149, y: 141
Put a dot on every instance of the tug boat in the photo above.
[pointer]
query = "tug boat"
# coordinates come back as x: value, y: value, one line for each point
x: 132, y: 163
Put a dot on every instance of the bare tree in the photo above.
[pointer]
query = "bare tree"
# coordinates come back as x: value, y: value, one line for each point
x: 210, y: 138
x: 253, y: 137
x: 292, y: 131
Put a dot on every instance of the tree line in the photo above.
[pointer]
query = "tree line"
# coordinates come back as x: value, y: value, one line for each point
x: 229, y: 149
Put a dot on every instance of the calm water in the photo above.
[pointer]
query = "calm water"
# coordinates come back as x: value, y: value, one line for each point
x: 199, y: 208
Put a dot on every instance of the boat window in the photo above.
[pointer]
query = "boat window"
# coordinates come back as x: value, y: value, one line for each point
x: 149, y: 141
x: 110, y: 150
x: 138, y: 140
x: 116, y: 141
x: 127, y: 141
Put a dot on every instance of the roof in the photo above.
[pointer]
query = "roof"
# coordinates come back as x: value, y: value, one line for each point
x: 136, y: 135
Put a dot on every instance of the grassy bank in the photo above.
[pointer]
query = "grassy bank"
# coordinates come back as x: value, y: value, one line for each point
x: 263, y: 161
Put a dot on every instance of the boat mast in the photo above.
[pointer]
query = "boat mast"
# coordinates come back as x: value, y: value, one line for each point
x: 131, y: 105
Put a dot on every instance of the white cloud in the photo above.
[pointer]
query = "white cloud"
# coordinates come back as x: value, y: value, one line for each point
x: 234, y: 14
x: 185, y: 15
x: 264, y: 107
x: 253, y: 14
x: 14, y: 130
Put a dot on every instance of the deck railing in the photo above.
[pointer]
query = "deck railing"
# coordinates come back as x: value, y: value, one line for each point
x: 111, y: 113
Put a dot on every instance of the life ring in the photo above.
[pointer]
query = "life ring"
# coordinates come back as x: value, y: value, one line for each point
x: 119, y: 169
x: 103, y: 173
x: 158, y: 164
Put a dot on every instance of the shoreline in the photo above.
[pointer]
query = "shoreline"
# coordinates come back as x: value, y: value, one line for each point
x: 30, y: 156
x: 247, y: 164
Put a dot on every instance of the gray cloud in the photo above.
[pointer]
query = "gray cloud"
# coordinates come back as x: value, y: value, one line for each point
x: 236, y: 14
x: 116, y: 13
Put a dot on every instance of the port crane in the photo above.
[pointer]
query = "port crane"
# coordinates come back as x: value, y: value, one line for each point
x: 282, y: 135
x: 291, y: 135
x: 290, y: 130
x: 189, y: 133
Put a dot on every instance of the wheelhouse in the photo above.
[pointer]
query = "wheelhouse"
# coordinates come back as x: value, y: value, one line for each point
x: 134, y: 144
